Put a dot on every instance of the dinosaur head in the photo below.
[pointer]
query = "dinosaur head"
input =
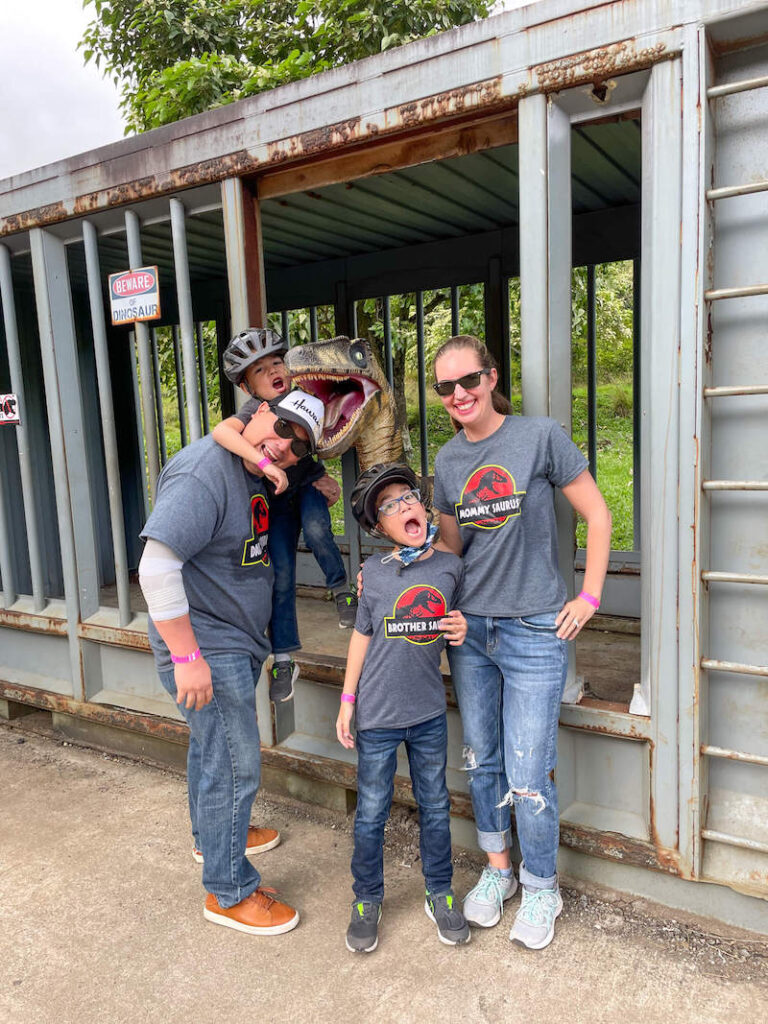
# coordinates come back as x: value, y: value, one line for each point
x: 347, y: 378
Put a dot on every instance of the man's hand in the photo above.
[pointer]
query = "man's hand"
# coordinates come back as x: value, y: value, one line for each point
x: 329, y: 489
x: 343, y: 731
x: 194, y: 688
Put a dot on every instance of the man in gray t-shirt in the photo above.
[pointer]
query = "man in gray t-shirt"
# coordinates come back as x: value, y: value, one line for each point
x: 207, y: 578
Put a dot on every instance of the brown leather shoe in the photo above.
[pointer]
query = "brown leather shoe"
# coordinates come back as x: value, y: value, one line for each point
x: 259, y: 840
x: 258, y: 914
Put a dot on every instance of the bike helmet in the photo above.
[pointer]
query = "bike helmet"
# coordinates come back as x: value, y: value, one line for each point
x: 248, y: 346
x: 368, y: 485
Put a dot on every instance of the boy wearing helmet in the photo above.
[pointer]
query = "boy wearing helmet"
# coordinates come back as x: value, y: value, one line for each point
x: 394, y: 684
x: 253, y: 361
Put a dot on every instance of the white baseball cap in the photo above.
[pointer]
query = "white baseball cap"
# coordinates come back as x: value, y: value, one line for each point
x: 304, y: 409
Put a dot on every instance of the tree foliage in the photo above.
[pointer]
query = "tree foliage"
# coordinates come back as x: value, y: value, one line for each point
x: 174, y: 58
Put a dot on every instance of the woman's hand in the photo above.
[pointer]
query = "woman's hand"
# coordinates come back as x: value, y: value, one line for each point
x: 454, y: 625
x: 572, y: 618
x: 343, y: 731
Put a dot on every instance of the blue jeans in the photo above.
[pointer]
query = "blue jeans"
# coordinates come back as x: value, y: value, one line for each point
x: 509, y: 676
x: 223, y: 774
x: 426, y: 745
x: 305, y: 510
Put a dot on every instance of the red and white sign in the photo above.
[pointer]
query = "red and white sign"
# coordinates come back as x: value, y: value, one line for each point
x: 135, y: 295
x: 9, y: 410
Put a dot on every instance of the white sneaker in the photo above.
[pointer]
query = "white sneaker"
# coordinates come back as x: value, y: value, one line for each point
x: 484, y: 905
x: 534, y: 925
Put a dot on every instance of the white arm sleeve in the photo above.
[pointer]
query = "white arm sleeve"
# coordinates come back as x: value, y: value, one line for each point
x: 161, y: 582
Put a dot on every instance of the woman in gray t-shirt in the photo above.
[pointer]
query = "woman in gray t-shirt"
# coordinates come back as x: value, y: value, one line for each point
x: 494, y: 488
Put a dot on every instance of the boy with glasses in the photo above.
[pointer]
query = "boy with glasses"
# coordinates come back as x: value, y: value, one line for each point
x: 253, y: 361
x: 394, y: 684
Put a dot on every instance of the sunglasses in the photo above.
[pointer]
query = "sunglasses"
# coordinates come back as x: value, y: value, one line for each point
x: 299, y: 447
x: 389, y: 508
x: 469, y: 380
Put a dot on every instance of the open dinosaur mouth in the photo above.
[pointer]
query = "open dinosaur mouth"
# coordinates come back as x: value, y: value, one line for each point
x: 344, y: 398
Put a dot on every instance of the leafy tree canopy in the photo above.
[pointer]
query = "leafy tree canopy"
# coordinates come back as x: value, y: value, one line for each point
x: 174, y: 58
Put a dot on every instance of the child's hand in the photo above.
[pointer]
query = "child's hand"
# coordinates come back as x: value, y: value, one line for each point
x: 343, y: 732
x: 360, y: 582
x: 454, y: 625
x: 277, y: 476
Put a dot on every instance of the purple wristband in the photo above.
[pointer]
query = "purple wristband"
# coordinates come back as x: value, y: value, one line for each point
x: 185, y: 659
x: 348, y: 698
x: 589, y: 599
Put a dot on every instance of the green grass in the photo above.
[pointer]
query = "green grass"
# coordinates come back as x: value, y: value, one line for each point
x: 614, y: 448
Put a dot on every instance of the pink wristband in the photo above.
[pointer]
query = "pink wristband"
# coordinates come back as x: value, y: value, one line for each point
x: 348, y: 698
x: 185, y: 659
x: 589, y: 599
x: 264, y: 463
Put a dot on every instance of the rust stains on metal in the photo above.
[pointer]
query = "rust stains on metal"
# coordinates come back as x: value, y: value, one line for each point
x: 114, y: 636
x: 594, y: 66
x: 479, y: 95
x: 147, y: 725
x: 318, y: 140
x: 32, y: 623
x: 49, y: 214
x: 612, y: 846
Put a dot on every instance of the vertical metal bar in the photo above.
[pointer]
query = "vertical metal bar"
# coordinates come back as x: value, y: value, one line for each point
x: 184, y: 296
x: 661, y: 296
x: 111, y: 458
x: 203, y: 376
x: 637, y: 481
x: 285, y: 327
x: 591, y: 373
x: 133, y: 236
x: 158, y: 397
x: 137, y: 410
x: 313, y: 324
x: 422, y: 383
x: 49, y: 279
x: 454, y: 310
x: 496, y: 303
x: 6, y: 563
x: 245, y: 255
x: 386, y: 312
x: 179, y: 386
x: 22, y: 438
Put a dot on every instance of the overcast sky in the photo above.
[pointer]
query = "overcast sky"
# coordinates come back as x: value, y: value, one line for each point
x: 51, y: 106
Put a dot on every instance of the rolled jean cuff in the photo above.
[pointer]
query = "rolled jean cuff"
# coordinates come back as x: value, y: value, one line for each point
x: 534, y: 882
x: 286, y: 649
x: 494, y: 842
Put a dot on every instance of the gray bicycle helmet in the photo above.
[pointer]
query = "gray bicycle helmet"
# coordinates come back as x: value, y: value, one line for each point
x: 248, y: 346
x: 370, y: 483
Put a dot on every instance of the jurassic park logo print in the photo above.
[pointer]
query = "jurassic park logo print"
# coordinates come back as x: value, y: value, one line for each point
x: 415, y: 616
x: 489, y: 499
x: 255, y: 550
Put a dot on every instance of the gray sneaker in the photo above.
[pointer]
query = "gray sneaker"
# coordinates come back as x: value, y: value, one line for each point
x: 534, y: 925
x: 363, y: 931
x: 281, y: 679
x: 346, y: 606
x: 452, y: 928
x: 484, y: 905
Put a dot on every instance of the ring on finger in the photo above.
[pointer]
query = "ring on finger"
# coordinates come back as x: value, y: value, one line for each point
x: 575, y: 622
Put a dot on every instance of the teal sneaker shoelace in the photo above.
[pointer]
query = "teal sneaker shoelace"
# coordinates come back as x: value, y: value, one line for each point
x: 489, y: 888
x: 538, y: 906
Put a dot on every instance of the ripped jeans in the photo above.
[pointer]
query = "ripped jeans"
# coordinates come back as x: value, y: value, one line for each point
x: 509, y: 676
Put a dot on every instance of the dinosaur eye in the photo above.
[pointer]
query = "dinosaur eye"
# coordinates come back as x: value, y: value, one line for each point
x: 358, y: 354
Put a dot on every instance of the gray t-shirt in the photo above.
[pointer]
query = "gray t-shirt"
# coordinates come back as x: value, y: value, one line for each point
x: 215, y: 515
x: 500, y: 491
x: 401, y: 683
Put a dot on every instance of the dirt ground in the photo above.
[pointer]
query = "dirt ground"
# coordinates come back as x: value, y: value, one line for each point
x: 101, y: 921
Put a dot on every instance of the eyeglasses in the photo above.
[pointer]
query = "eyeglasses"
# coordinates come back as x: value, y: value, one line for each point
x: 390, y: 508
x: 299, y: 447
x: 469, y: 380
